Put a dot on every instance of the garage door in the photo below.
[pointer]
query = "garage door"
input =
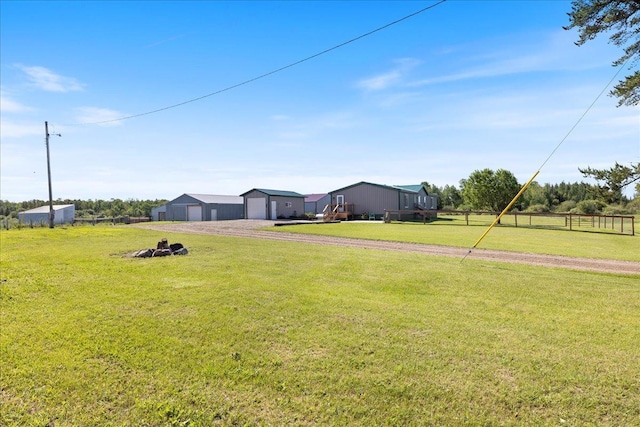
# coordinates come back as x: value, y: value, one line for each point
x: 194, y: 213
x: 256, y: 208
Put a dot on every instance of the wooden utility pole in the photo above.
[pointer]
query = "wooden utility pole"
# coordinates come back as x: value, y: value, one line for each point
x: 51, y: 212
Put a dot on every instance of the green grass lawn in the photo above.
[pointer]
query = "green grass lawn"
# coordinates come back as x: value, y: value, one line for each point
x: 452, y: 231
x: 257, y: 332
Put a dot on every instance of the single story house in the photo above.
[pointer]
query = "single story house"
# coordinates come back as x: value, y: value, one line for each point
x: 260, y: 203
x: 200, y: 207
x: 62, y: 214
x: 369, y: 198
x: 315, y: 203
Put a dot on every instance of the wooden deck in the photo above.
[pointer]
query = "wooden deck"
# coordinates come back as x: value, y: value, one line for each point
x: 340, y: 212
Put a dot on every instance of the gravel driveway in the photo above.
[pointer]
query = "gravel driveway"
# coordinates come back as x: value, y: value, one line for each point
x: 249, y: 229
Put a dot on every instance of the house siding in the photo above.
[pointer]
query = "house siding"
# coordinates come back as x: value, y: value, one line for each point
x: 373, y: 198
x: 368, y: 198
x: 282, y: 211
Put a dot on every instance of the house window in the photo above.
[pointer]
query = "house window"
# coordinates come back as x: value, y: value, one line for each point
x: 287, y: 204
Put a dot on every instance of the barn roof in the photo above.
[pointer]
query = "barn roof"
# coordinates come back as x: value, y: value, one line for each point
x: 216, y: 198
x: 45, y: 209
x: 314, y: 197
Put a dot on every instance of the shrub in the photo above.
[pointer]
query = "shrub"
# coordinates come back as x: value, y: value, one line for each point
x: 566, y: 206
x: 537, y: 208
x: 633, y: 207
x: 615, y: 210
x: 588, y: 207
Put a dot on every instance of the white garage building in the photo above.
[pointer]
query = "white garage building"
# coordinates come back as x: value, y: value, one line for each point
x: 260, y: 203
x: 63, y: 214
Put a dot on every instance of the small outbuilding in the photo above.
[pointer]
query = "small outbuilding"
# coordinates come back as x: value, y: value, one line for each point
x: 260, y: 203
x: 200, y: 207
x: 315, y: 203
x: 62, y: 214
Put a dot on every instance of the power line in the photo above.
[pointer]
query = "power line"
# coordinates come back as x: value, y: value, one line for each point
x: 525, y: 186
x: 262, y: 76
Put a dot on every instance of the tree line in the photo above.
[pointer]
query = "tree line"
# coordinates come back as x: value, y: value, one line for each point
x: 493, y: 190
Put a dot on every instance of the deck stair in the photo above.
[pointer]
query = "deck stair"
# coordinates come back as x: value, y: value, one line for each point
x: 338, y: 212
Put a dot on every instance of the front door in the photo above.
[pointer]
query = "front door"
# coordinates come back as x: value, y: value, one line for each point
x: 340, y: 202
x: 274, y: 211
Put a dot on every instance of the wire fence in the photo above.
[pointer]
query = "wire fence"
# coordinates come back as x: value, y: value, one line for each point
x: 617, y: 224
x: 8, y: 223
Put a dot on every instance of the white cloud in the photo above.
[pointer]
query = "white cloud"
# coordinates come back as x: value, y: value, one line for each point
x: 47, y: 80
x: 390, y: 78
x: 381, y: 81
x: 98, y: 116
x: 10, y: 129
x: 8, y: 105
x: 551, y: 52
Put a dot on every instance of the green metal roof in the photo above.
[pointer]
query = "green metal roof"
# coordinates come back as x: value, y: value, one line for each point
x: 276, y: 192
x: 415, y: 188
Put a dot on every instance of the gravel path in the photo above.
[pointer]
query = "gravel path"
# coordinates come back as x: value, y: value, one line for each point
x: 248, y: 228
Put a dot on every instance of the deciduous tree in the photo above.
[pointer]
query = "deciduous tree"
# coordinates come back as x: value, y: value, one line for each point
x: 486, y: 189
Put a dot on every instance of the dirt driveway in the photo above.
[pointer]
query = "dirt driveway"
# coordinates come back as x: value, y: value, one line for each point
x: 249, y: 229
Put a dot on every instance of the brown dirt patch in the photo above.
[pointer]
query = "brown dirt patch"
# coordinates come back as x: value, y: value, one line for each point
x: 248, y: 229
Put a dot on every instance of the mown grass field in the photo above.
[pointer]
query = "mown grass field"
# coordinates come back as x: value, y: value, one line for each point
x: 256, y: 332
x: 453, y: 231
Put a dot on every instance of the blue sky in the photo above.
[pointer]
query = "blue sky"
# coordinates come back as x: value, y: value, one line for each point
x: 463, y: 86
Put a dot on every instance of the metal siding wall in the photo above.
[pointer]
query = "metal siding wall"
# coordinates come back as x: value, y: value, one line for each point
x: 322, y: 203
x: 297, y: 206
x: 35, y: 218
x: 368, y: 198
x: 228, y: 212
x: 176, y: 213
x: 67, y: 214
x: 379, y: 199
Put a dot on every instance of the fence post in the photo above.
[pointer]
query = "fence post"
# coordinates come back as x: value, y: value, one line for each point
x: 570, y: 222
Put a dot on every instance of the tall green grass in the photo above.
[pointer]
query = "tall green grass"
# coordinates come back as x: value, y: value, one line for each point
x: 454, y: 232
x: 257, y: 332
